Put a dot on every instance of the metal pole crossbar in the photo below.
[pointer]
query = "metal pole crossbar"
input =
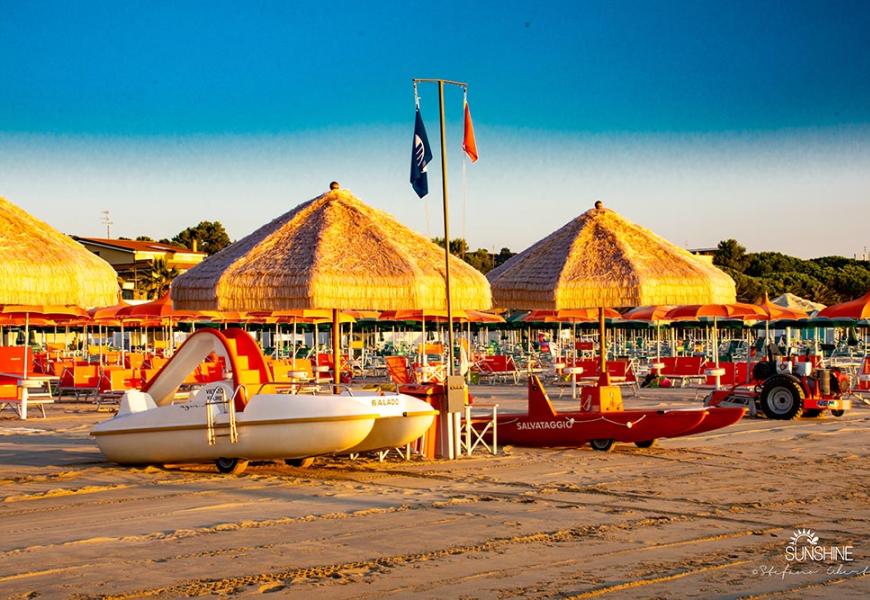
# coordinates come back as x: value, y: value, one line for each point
x: 464, y: 86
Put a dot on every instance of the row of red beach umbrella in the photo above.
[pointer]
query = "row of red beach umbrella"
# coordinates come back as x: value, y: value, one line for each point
x: 857, y: 309
x: 158, y: 311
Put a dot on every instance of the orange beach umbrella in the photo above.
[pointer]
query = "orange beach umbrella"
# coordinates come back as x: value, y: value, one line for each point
x: 854, y: 309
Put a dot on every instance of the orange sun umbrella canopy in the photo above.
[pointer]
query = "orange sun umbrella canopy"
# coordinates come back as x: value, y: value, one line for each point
x: 156, y: 309
x: 648, y: 313
x: 733, y: 310
x: 572, y: 315
x: 54, y: 312
x: 854, y: 309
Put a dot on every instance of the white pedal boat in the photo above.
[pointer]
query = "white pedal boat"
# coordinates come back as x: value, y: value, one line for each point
x: 401, y: 420
x: 203, y: 429
x: 231, y: 422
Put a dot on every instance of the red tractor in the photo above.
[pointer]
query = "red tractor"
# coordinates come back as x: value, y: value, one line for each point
x: 785, y: 390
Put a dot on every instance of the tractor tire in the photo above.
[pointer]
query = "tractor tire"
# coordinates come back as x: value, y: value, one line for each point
x: 763, y: 370
x: 299, y: 463
x: 811, y: 414
x: 838, y: 412
x: 231, y: 466
x: 645, y: 444
x: 602, y: 445
x: 782, y: 397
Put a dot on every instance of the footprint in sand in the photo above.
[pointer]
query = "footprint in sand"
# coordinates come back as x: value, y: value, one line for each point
x: 274, y: 586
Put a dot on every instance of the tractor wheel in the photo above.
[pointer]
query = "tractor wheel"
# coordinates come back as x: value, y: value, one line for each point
x: 602, y: 445
x: 300, y: 463
x: 838, y: 412
x: 811, y: 414
x: 231, y: 466
x: 645, y: 444
x: 782, y: 397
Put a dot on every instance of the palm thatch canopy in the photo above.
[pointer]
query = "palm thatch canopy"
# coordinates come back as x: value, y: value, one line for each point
x: 601, y: 259
x: 330, y: 252
x: 40, y: 265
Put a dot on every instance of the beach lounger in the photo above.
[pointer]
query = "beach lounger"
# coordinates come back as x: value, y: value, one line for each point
x: 684, y: 368
x: 80, y: 380
x: 495, y: 368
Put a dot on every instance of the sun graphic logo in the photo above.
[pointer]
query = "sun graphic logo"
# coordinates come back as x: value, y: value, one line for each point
x: 808, y: 534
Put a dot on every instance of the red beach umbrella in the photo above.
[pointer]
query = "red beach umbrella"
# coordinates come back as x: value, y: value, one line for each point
x: 854, y: 309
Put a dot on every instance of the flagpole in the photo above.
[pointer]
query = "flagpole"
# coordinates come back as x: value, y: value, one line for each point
x: 464, y: 86
x: 446, y: 232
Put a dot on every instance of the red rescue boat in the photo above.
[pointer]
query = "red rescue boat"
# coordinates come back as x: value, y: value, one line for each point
x: 543, y: 426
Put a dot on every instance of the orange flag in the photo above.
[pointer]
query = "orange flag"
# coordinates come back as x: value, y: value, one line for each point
x: 468, y: 143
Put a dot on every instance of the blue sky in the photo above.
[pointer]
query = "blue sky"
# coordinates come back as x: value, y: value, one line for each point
x: 699, y: 120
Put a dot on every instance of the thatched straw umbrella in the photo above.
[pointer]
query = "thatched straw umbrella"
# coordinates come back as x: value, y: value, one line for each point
x: 40, y: 265
x: 602, y: 260
x: 330, y: 252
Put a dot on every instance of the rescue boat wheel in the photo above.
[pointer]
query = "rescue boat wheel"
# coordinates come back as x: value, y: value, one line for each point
x: 838, y: 412
x: 231, y: 466
x: 602, y: 445
x: 300, y: 463
x: 645, y: 444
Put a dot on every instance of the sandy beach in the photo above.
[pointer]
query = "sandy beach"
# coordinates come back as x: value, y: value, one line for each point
x: 701, y: 517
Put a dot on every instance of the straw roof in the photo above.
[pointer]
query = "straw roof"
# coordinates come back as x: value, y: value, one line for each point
x: 601, y: 259
x: 330, y: 252
x: 40, y: 265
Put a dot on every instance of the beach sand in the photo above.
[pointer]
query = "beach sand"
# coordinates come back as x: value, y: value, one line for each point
x: 698, y: 517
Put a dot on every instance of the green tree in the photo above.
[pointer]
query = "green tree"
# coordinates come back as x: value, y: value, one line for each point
x: 144, y: 238
x: 730, y: 254
x: 458, y: 246
x: 481, y: 260
x: 503, y: 256
x: 749, y: 289
x: 827, y: 279
x: 156, y: 281
x: 852, y: 281
x: 210, y: 237
x: 760, y: 264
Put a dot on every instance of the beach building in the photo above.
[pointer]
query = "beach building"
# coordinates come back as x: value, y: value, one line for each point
x: 131, y: 259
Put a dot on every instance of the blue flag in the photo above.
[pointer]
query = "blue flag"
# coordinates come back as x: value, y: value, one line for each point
x: 421, y: 154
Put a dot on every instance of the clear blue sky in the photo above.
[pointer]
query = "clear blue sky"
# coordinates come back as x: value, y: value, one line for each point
x: 700, y: 120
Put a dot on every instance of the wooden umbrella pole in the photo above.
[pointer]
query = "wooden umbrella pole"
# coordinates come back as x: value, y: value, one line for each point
x: 336, y: 351
x: 602, y: 365
x: 25, y: 361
